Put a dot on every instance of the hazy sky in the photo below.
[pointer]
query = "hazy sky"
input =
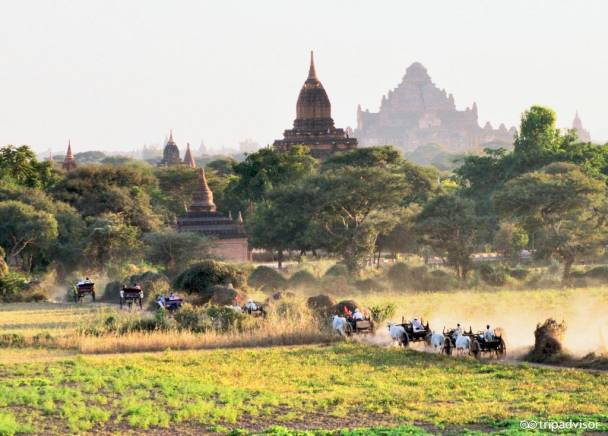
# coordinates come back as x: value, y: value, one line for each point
x: 119, y: 74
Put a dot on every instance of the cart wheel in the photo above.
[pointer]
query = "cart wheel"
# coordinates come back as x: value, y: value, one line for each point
x: 405, y: 341
x: 475, y: 349
x: 501, y: 351
x: 447, y: 347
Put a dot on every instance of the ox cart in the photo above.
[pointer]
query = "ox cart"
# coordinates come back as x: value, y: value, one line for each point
x: 359, y: 326
x: 173, y: 303
x: 257, y: 311
x: 130, y: 295
x: 480, y: 344
x: 413, y: 334
x: 82, y: 289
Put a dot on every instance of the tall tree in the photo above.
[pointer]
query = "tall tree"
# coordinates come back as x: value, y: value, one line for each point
x: 562, y: 207
x: 175, y: 251
x: 23, y: 228
x: 19, y: 165
x: 449, y: 225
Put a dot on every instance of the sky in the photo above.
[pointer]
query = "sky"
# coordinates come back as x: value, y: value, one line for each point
x: 114, y: 75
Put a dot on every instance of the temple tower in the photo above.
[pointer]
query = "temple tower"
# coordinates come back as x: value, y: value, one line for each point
x: 188, y: 158
x: 314, y: 126
x: 583, y: 134
x: 69, y: 163
x: 170, y: 153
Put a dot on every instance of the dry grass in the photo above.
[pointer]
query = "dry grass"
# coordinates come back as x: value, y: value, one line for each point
x: 182, y: 340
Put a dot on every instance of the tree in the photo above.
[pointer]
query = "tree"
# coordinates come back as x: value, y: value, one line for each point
x: 175, y: 250
x: 350, y: 205
x: 19, y: 165
x: 111, y: 242
x: 538, y: 136
x: 23, y: 229
x: 266, y: 169
x: 284, y: 222
x: 222, y: 166
x: 561, y: 206
x: 510, y: 239
x: 176, y: 185
x: 449, y: 225
x: 385, y: 156
x: 123, y: 189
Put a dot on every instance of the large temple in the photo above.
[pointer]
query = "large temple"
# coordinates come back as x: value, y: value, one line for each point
x: 418, y: 113
x: 171, y: 154
x: 314, y: 126
x: 582, y: 133
x: 230, y: 238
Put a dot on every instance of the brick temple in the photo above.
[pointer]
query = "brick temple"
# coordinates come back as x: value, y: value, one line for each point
x: 314, y: 126
x: 202, y: 217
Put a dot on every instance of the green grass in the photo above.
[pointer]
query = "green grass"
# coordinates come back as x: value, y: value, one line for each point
x: 291, y: 387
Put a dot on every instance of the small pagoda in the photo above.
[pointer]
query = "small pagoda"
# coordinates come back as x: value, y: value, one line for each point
x: 170, y: 153
x: 202, y: 217
x: 69, y: 163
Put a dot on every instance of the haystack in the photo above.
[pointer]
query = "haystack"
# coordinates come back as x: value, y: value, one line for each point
x: 321, y: 304
x: 548, y: 339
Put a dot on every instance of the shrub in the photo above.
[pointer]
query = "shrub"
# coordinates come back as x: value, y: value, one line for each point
x: 339, y: 269
x: 382, y: 312
x: 193, y: 319
x: 201, y: 277
x: 399, y: 275
x: 370, y: 285
x: 12, y: 287
x: 303, y: 279
x: 266, y: 278
x: 518, y: 273
x: 494, y: 275
x: 3, y: 265
x: 598, y: 273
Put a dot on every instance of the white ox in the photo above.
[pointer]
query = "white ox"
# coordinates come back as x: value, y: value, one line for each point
x: 463, y: 343
x: 435, y: 340
x: 339, y: 324
x: 397, y: 333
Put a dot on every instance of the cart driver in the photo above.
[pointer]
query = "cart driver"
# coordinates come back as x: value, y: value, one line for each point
x: 457, y: 330
x: 161, y: 301
x: 417, y: 325
x: 87, y: 281
x: 251, y: 306
x: 488, y: 335
x: 357, y: 315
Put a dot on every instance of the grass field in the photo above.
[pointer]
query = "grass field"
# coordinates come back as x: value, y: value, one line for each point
x: 62, y: 389
x: 336, y: 386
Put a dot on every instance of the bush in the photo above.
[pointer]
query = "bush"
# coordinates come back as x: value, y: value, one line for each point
x: 302, y: 280
x: 598, y: 273
x: 3, y: 265
x: 518, y: 273
x: 494, y: 275
x: 370, y: 285
x: 382, y: 312
x: 13, y: 288
x: 267, y: 279
x: 339, y: 269
x: 399, y: 275
x: 200, y: 278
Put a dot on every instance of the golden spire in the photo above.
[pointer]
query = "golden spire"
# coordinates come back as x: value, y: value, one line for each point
x: 312, y: 73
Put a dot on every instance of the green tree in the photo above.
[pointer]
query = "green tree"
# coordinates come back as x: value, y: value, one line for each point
x: 111, y: 242
x: 561, y: 206
x: 19, y: 165
x: 510, y: 239
x: 24, y: 229
x: 266, y: 169
x: 351, y: 204
x: 123, y: 189
x: 449, y: 225
x: 175, y: 250
x: 384, y: 156
x: 284, y: 222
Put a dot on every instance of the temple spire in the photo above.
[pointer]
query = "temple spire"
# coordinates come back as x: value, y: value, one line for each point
x: 188, y: 158
x: 69, y: 163
x: 171, y: 135
x: 202, y: 199
x: 312, y: 73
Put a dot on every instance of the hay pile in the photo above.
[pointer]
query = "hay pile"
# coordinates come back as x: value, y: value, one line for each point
x: 321, y: 304
x: 548, y: 339
x: 227, y: 295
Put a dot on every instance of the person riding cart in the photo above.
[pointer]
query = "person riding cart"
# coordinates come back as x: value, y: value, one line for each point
x: 84, y: 287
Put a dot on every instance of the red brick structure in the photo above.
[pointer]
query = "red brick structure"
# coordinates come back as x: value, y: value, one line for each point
x: 314, y: 126
x: 229, y: 235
